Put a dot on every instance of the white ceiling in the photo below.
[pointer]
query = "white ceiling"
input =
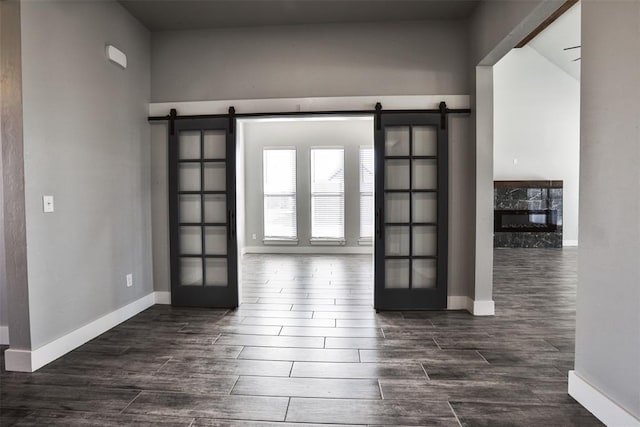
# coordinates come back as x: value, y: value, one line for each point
x: 161, y: 15
x: 563, y: 33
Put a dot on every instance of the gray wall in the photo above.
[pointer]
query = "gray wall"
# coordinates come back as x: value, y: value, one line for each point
x: 160, y: 207
x: 608, y: 310
x: 350, y: 134
x: 86, y: 141
x: 406, y: 58
x: 13, y: 176
x: 4, y: 316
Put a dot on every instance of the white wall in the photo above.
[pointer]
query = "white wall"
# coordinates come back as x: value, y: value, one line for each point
x: 86, y: 142
x: 537, y: 123
x: 304, y: 134
x: 608, y: 307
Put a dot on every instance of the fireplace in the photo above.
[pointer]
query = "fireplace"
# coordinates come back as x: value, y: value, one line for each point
x: 527, y: 214
x: 525, y: 220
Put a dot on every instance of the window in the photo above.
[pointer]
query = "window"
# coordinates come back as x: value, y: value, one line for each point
x: 327, y: 194
x: 279, y: 169
x: 366, y: 194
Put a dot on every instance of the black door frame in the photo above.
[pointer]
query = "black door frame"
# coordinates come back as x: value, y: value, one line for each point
x: 411, y: 298
x: 203, y: 296
x: 231, y: 300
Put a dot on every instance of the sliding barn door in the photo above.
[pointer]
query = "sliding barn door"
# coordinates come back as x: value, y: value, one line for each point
x: 411, y: 211
x: 203, y: 213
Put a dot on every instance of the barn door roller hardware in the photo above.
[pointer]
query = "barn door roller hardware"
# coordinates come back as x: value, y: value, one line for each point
x: 172, y: 121
x: 378, y: 115
x: 232, y: 119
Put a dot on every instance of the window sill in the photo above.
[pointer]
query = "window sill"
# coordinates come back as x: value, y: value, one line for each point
x: 327, y: 242
x: 280, y: 242
x: 365, y: 241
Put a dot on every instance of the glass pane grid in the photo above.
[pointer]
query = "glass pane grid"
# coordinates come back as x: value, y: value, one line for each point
x: 201, y: 177
x: 411, y: 207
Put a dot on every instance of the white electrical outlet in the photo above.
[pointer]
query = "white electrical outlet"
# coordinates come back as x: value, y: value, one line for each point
x: 253, y: 236
x: 129, y: 280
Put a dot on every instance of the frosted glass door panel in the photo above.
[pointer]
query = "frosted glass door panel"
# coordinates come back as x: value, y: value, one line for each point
x: 215, y: 144
x: 396, y: 272
x: 424, y: 273
x: 215, y: 240
x: 397, y: 141
x: 215, y: 208
x: 191, y: 271
x: 425, y: 207
x: 216, y: 272
x: 396, y: 207
x: 425, y: 241
x: 189, y: 145
x: 396, y: 241
x: 190, y: 208
x: 190, y: 240
x: 425, y: 174
x: 425, y: 141
x: 189, y: 176
x: 215, y: 178
x: 396, y: 174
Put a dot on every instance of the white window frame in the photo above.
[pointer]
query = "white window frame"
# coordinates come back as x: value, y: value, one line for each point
x: 280, y: 240
x: 365, y: 240
x: 327, y: 241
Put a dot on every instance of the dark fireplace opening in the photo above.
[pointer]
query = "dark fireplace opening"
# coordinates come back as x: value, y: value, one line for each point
x: 537, y: 220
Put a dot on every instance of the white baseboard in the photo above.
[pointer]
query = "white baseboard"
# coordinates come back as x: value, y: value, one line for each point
x: 457, y: 303
x: 162, y: 297
x: 477, y: 308
x: 4, y: 335
x: 603, y: 408
x: 482, y: 307
x: 569, y: 243
x: 320, y: 250
x: 30, y: 361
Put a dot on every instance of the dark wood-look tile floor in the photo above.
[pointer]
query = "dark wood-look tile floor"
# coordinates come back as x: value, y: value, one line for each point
x: 307, y: 348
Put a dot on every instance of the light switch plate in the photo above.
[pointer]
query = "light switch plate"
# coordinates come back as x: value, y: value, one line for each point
x: 47, y: 204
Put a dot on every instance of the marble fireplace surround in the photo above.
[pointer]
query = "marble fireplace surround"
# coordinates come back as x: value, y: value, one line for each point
x: 540, y: 198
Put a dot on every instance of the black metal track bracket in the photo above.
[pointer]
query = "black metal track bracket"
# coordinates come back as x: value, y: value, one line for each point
x: 232, y: 119
x: 172, y: 121
x: 378, y: 116
x: 443, y: 115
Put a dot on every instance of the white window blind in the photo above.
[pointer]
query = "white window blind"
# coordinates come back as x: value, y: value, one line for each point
x: 366, y: 193
x: 327, y: 193
x: 279, y: 169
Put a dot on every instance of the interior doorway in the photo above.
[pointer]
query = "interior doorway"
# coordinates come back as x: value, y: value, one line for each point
x: 305, y: 188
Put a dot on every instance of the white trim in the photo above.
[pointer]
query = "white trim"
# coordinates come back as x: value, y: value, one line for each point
x: 457, y: 303
x: 569, y: 243
x: 275, y: 241
x: 365, y: 241
x: 481, y: 307
x: 596, y: 402
x: 30, y: 361
x: 320, y: 241
x: 329, y: 250
x: 17, y: 360
x: 4, y: 335
x: 162, y: 297
x: 344, y: 103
